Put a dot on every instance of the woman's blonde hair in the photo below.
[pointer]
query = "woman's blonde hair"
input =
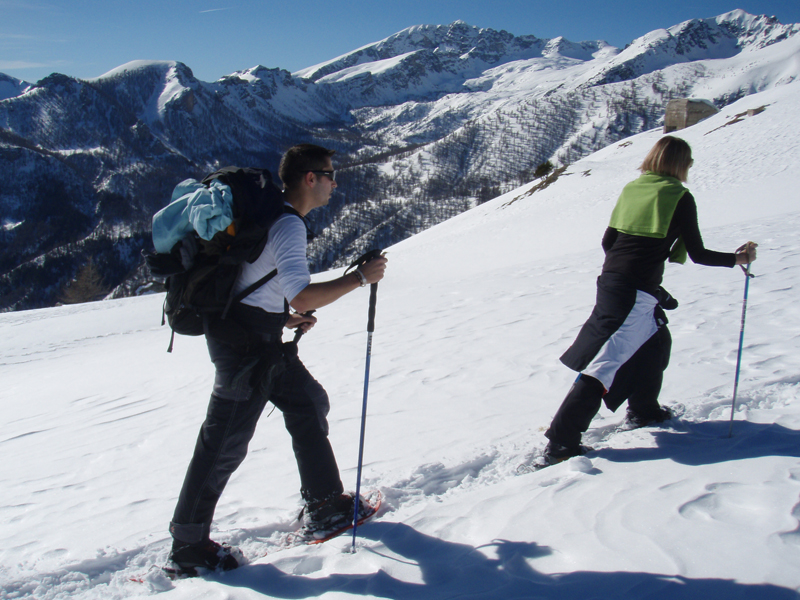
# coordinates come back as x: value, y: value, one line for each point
x: 670, y: 156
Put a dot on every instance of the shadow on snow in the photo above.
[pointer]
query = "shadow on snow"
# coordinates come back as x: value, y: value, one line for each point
x: 708, y: 443
x: 452, y: 570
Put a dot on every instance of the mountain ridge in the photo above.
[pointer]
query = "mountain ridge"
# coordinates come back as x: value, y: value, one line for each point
x: 426, y: 123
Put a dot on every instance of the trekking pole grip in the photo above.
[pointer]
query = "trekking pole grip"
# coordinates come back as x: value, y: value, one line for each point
x: 373, y: 300
x: 373, y: 289
x: 299, y: 332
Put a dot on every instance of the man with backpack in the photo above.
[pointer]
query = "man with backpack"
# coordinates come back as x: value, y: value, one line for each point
x: 262, y: 368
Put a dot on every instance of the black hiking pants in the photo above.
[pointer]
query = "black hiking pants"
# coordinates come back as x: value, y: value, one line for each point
x: 243, y: 386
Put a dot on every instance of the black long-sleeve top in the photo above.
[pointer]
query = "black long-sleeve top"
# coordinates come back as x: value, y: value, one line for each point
x: 642, y: 258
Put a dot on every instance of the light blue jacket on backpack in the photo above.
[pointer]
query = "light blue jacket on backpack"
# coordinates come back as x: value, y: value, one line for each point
x: 193, y: 207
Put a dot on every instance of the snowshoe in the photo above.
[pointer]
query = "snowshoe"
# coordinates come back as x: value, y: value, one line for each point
x: 552, y: 455
x: 185, y: 559
x: 331, y: 517
x: 636, y: 421
x: 555, y: 453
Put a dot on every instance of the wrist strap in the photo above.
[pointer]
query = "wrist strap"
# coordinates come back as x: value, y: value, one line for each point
x: 362, y: 281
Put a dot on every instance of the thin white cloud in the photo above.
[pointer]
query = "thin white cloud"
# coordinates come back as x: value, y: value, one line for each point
x: 30, y: 6
x: 213, y: 10
x: 10, y: 65
x: 21, y: 38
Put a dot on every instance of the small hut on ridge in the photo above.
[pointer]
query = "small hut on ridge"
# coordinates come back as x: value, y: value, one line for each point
x: 687, y: 112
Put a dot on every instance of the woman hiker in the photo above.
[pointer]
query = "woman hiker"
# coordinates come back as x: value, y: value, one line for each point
x: 623, y: 348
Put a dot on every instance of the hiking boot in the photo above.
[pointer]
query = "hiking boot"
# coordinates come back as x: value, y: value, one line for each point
x: 331, y: 513
x: 555, y: 453
x: 635, y: 421
x: 207, y: 555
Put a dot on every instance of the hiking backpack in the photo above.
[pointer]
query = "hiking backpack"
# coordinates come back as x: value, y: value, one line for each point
x: 200, y: 274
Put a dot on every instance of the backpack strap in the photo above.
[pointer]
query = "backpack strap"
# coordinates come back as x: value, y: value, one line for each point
x: 247, y: 291
x: 263, y: 281
x: 310, y: 235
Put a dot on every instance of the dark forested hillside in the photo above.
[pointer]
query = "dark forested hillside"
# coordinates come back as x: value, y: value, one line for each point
x: 426, y: 124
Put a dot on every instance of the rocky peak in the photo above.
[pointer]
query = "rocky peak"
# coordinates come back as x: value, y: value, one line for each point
x: 11, y: 87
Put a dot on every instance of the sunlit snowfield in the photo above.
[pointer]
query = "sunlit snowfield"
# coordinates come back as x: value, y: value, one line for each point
x: 98, y: 421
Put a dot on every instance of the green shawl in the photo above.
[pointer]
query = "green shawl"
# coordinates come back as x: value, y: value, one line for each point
x: 645, y: 207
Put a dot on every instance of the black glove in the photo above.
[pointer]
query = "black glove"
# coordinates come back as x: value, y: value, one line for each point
x: 665, y: 299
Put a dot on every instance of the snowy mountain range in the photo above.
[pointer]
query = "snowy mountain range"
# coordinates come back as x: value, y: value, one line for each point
x: 98, y: 421
x: 427, y: 123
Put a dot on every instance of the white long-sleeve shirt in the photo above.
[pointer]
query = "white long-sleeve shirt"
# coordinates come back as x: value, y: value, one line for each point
x: 286, y: 251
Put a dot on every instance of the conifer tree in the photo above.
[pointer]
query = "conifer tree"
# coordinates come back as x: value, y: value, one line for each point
x: 87, y: 286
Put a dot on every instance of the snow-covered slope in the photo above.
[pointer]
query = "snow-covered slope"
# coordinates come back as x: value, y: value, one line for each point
x: 98, y: 421
x: 11, y: 86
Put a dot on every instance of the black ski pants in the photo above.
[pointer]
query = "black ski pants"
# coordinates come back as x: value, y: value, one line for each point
x: 236, y: 404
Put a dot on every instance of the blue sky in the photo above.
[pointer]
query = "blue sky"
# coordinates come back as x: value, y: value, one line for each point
x: 86, y: 38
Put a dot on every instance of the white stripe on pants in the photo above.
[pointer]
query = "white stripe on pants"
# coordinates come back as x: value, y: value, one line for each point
x: 639, y: 326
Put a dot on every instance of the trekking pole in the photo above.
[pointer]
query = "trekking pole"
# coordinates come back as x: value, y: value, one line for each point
x: 747, y: 277
x: 373, y: 299
x: 299, y: 332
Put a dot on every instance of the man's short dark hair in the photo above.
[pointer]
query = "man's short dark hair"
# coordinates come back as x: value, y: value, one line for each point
x: 299, y: 160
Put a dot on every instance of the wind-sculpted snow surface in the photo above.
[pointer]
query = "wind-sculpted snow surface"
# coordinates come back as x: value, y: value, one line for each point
x: 98, y: 421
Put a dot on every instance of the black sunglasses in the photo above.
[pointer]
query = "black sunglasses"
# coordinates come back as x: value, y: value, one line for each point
x: 330, y: 174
